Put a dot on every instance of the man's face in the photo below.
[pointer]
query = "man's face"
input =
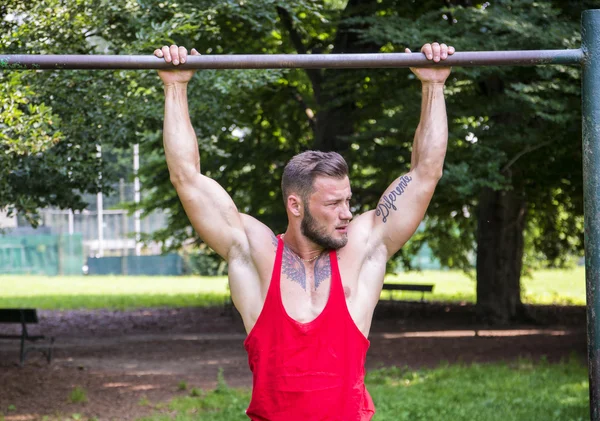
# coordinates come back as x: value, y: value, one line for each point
x: 327, y: 212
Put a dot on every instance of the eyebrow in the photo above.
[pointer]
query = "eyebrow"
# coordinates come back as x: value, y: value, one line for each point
x: 335, y: 199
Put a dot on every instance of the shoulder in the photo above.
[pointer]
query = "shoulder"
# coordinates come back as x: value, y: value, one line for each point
x: 361, y: 241
x: 260, y: 241
x: 256, y: 230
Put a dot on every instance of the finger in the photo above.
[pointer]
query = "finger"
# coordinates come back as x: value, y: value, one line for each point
x: 182, y: 54
x: 436, y: 51
x: 166, y: 54
x: 158, y: 53
x: 195, y: 52
x: 174, y: 50
x: 451, y: 50
x: 426, y: 49
x: 443, y: 51
x: 407, y: 50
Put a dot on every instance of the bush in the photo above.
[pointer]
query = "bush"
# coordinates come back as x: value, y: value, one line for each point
x: 204, y: 263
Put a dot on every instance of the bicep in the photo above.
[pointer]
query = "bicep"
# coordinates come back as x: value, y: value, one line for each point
x: 401, y: 209
x: 212, y: 213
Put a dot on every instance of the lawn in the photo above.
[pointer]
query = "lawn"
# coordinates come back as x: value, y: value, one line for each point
x: 518, y: 391
x: 111, y: 292
x: 121, y: 292
x: 543, y: 287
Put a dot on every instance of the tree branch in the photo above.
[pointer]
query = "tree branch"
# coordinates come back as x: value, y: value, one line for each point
x: 309, y: 112
x: 523, y: 152
x: 313, y: 74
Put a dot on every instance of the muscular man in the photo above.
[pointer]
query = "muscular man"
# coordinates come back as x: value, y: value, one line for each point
x: 307, y: 297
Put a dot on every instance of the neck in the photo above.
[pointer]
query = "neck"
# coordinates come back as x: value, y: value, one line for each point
x: 305, y: 249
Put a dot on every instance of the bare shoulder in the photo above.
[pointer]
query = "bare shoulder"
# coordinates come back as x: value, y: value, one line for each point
x: 362, y: 264
x: 262, y: 243
x: 257, y: 232
x: 361, y: 244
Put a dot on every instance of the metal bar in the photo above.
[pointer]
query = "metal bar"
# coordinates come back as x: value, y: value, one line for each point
x: 299, y: 61
x: 590, y: 31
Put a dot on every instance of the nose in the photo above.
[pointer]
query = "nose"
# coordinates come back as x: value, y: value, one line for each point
x: 346, y: 214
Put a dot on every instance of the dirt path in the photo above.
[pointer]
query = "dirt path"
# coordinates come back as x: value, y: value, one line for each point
x: 123, y: 359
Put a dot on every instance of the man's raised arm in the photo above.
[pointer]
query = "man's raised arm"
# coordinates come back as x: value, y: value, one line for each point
x: 402, y: 207
x: 208, y: 206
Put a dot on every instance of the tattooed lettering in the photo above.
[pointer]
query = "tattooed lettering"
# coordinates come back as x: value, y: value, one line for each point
x: 293, y: 267
x: 322, y: 269
x: 387, y: 203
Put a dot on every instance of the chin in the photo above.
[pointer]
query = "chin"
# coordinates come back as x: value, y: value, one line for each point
x: 340, y: 241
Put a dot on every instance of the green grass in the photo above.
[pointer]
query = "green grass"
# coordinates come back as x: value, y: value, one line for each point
x: 111, y: 292
x: 518, y: 391
x: 122, y: 292
x: 494, y: 392
x: 78, y: 395
x: 543, y: 287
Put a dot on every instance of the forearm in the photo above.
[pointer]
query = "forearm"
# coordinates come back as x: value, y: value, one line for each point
x: 431, y: 137
x: 179, y: 138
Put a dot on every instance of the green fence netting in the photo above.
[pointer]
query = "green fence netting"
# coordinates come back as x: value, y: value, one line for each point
x: 46, y: 254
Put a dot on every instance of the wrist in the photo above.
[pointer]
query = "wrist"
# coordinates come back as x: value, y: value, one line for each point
x: 175, y: 85
x: 433, y: 84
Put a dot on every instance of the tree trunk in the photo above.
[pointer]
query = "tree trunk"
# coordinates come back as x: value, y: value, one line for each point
x: 500, y: 227
x: 335, y: 118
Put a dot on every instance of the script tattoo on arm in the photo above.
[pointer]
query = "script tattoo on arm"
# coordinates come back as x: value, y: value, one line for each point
x: 387, y: 203
x: 293, y: 267
x: 322, y: 269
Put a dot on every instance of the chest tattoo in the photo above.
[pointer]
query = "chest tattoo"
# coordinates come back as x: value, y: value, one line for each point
x: 293, y: 268
x: 322, y: 269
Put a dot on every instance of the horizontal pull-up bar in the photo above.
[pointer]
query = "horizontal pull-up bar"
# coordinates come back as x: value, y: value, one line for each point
x: 301, y: 61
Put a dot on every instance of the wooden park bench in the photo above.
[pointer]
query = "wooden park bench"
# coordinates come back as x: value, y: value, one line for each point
x: 25, y: 317
x: 422, y: 288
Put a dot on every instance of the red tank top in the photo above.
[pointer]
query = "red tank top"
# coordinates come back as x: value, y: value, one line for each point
x: 307, y: 371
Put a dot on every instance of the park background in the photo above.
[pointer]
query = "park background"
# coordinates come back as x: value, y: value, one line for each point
x: 87, y: 201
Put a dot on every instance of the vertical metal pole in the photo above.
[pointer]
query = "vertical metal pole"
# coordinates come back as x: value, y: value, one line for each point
x: 71, y: 222
x: 100, y: 206
x: 137, y: 197
x: 100, y: 209
x: 590, y: 32
x: 123, y: 235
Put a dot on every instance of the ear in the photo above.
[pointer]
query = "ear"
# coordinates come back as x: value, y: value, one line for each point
x: 294, y: 205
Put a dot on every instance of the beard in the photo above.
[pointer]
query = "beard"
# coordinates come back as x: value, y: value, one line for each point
x: 310, y: 228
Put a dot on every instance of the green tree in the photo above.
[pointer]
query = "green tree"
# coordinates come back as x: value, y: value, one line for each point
x: 514, y: 162
x: 53, y: 123
x: 512, y: 183
x: 513, y: 177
